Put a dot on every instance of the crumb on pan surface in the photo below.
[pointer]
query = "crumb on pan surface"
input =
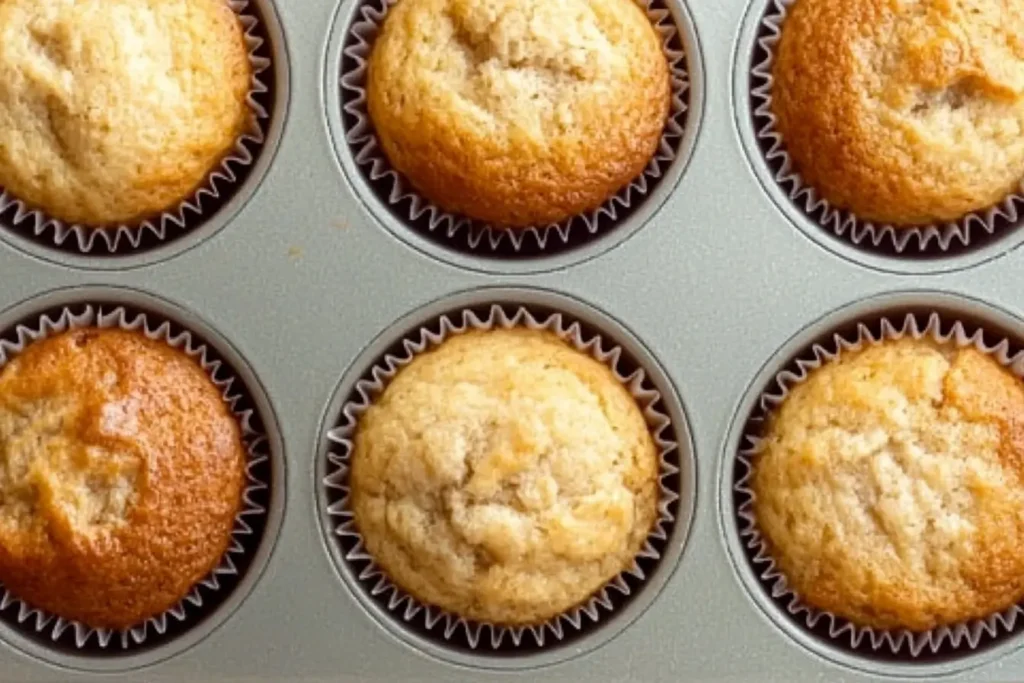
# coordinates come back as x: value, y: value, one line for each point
x: 518, y: 112
x: 113, y: 111
x: 504, y: 477
x: 889, y: 486
x: 907, y: 113
x: 121, y: 472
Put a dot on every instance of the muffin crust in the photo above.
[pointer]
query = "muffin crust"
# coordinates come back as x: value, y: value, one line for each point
x: 504, y: 476
x: 112, y: 111
x: 906, y: 112
x: 121, y: 471
x: 890, y: 486
x: 518, y: 112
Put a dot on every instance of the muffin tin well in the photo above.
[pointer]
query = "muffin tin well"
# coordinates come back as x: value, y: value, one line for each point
x: 211, y: 207
x: 981, y: 236
x: 625, y: 597
x: 476, y: 245
x: 939, y: 652
x: 216, y: 595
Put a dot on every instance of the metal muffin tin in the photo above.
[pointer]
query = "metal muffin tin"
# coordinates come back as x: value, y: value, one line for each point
x: 297, y: 278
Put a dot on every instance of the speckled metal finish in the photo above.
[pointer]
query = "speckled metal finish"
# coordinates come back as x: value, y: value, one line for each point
x: 714, y: 284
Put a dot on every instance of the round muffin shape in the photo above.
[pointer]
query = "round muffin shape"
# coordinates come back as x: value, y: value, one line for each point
x: 112, y: 111
x: 905, y: 113
x: 504, y: 477
x: 518, y: 112
x: 121, y: 472
x: 890, y: 486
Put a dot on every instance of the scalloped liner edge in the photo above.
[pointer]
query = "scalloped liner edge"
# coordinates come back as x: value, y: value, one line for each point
x: 965, y: 634
x: 842, y: 223
x: 219, y: 181
x: 117, y: 316
x: 402, y: 605
x: 362, y: 142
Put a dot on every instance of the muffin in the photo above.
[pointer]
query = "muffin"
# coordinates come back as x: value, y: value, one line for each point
x: 890, y: 486
x: 504, y: 477
x: 112, y: 111
x: 905, y: 113
x: 518, y: 112
x: 121, y: 471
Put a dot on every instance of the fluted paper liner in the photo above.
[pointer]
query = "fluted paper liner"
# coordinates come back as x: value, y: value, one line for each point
x: 474, y: 235
x: 221, y: 180
x: 445, y: 625
x: 191, y: 607
x: 907, y: 241
x: 965, y: 635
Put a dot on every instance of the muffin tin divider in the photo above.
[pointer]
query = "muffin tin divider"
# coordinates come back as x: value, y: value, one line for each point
x: 303, y: 278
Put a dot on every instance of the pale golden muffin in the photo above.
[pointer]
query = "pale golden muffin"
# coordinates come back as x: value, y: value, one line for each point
x: 112, y: 111
x: 504, y: 477
x: 890, y: 487
x: 518, y: 112
x: 907, y: 112
x: 121, y: 471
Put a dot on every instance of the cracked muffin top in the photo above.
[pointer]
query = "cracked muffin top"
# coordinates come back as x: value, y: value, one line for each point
x: 518, y: 112
x: 121, y: 472
x: 504, y: 477
x: 890, y: 486
x: 112, y: 111
x: 908, y: 112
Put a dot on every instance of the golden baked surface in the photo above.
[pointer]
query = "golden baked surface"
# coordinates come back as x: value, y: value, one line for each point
x: 907, y: 112
x: 504, y: 477
x: 114, y: 110
x: 890, y: 489
x: 121, y: 471
x: 518, y: 112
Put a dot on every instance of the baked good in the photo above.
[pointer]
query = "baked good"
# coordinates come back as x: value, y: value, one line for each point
x: 890, y: 488
x: 112, y: 111
x: 504, y: 477
x: 121, y: 472
x: 518, y: 112
x: 906, y: 113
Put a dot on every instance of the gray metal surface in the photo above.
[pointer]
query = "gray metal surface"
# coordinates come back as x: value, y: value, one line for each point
x: 303, y: 278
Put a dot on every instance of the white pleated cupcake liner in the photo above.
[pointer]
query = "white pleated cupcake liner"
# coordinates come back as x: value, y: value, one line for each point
x: 475, y: 235
x: 921, y: 240
x: 190, y: 212
x: 967, y: 635
x: 443, y: 625
x: 38, y: 622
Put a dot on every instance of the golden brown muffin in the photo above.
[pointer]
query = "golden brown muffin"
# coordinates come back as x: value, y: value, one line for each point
x: 121, y: 471
x: 904, y: 112
x: 890, y: 487
x: 504, y: 477
x: 114, y: 110
x: 518, y: 112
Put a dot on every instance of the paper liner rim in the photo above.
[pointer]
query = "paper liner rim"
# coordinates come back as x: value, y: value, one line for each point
x: 968, y: 633
x: 441, y: 623
x: 361, y: 142
x: 221, y: 180
x: 117, y: 316
x: 843, y: 223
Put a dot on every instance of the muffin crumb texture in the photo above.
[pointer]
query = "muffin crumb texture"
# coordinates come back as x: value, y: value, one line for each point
x: 121, y: 471
x: 112, y: 111
x: 906, y: 112
x: 504, y: 477
x: 518, y: 112
x: 889, y: 487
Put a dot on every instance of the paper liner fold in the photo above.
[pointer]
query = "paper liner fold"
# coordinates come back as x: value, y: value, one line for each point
x: 909, y: 241
x: 220, y: 181
x: 477, y: 236
x: 26, y: 617
x: 444, y: 625
x: 964, y: 635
